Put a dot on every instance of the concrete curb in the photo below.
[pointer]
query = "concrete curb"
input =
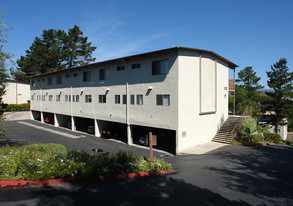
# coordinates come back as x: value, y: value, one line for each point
x: 14, y: 184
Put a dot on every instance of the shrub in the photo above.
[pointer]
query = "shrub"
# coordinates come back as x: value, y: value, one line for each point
x: 272, y: 137
x: 17, y: 107
x: 44, y: 161
x: 256, y: 138
x: 249, y: 126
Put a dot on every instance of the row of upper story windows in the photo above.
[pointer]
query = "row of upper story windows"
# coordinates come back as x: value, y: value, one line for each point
x: 160, y: 67
x: 161, y: 99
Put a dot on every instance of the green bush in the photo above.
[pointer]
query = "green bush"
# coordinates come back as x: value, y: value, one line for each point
x: 272, y: 137
x: 255, y: 138
x: 248, y: 127
x: 17, y: 107
x: 45, y: 161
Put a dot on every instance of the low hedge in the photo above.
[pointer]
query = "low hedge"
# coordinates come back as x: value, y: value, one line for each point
x: 49, y: 161
x: 17, y: 107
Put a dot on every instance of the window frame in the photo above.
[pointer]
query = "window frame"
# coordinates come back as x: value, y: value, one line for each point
x: 102, y: 98
x: 139, y: 99
x: 156, y: 67
x: 160, y: 100
x: 86, y: 76
x: 117, y: 99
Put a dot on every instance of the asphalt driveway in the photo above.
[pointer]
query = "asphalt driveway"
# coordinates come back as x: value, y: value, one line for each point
x: 231, y: 175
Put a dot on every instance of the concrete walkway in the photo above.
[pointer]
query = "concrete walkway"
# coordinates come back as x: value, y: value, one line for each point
x: 203, y: 148
x: 14, y: 116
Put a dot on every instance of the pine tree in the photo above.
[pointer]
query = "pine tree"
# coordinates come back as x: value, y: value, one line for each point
x: 280, y: 80
x: 54, y: 50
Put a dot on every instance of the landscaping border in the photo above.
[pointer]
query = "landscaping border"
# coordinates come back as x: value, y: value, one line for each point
x: 14, y: 184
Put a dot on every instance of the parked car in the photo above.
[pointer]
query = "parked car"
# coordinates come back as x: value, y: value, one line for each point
x: 91, y: 129
x: 49, y: 120
x: 108, y: 134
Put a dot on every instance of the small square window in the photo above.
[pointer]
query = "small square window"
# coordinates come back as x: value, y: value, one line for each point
x: 67, y: 75
x: 102, y: 98
x: 160, y: 67
x: 59, y: 79
x: 139, y: 99
x: 136, y: 66
x: 120, y: 68
x: 88, y: 98
x: 163, y: 99
x: 132, y: 99
x: 117, y: 99
x: 75, y: 74
x: 104, y: 74
x: 124, y: 99
x: 87, y: 76
x: 58, y: 97
x: 50, y: 81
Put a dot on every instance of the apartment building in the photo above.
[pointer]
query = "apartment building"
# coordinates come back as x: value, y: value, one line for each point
x: 179, y: 93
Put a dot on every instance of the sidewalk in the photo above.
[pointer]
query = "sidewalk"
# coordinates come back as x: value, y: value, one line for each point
x: 203, y: 148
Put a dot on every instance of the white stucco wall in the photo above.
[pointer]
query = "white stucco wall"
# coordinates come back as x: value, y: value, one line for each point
x: 139, y: 81
x: 16, y: 93
x: 195, y: 128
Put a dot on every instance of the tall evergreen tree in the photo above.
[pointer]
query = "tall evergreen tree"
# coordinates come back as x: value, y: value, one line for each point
x: 55, y: 50
x: 247, y: 94
x: 4, y: 56
x: 281, y: 81
x: 249, y: 81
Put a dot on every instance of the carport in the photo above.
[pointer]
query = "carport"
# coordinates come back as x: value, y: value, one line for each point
x: 63, y: 120
x: 48, y: 117
x: 84, y: 124
x: 112, y: 130
x: 36, y: 115
x: 166, y: 139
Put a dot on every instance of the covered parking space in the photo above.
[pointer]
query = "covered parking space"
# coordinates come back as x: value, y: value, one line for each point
x: 36, y: 115
x: 63, y: 120
x: 165, y: 139
x: 112, y: 130
x: 48, y: 117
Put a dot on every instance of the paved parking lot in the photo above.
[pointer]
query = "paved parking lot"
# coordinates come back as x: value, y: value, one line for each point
x: 230, y: 175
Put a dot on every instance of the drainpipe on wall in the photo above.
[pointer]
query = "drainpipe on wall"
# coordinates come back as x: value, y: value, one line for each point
x: 16, y: 94
x: 234, y: 92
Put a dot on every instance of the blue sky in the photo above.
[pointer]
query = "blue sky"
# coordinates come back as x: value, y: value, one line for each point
x: 253, y: 33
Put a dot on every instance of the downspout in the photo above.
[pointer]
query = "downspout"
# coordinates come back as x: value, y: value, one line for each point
x: 234, y: 92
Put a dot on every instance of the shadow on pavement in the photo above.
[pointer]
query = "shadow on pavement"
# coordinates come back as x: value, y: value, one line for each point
x: 265, y: 172
x: 154, y: 190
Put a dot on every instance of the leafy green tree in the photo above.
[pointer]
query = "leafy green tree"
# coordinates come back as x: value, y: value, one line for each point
x: 55, y: 50
x: 4, y: 56
x: 280, y: 80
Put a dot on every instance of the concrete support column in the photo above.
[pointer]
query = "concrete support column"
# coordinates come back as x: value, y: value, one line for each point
x: 73, y: 127
x: 97, y: 129
x: 42, y: 118
x: 32, y: 115
x: 56, y: 123
x: 129, y: 135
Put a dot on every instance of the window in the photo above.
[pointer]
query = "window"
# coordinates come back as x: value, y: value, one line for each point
x: 50, y: 81
x: 88, y: 98
x: 120, y: 68
x: 66, y: 98
x: 104, y: 74
x: 102, y: 98
x: 124, y: 99
x: 59, y: 79
x: 58, y: 97
x: 132, y: 99
x: 139, y: 99
x: 73, y: 98
x: 75, y: 74
x: 33, y: 84
x: 43, y: 97
x: 33, y: 96
x: 160, y: 67
x: 67, y: 75
x: 77, y: 98
x: 87, y: 76
x: 136, y: 66
x: 38, y: 97
x: 117, y: 99
x: 50, y: 98
x: 163, y: 99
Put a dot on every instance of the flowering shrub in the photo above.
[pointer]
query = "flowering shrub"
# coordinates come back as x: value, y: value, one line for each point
x: 45, y: 161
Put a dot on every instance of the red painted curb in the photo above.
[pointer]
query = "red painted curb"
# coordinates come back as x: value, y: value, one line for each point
x: 23, y: 183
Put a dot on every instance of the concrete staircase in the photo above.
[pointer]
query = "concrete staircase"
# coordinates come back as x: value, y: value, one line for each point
x: 229, y: 129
